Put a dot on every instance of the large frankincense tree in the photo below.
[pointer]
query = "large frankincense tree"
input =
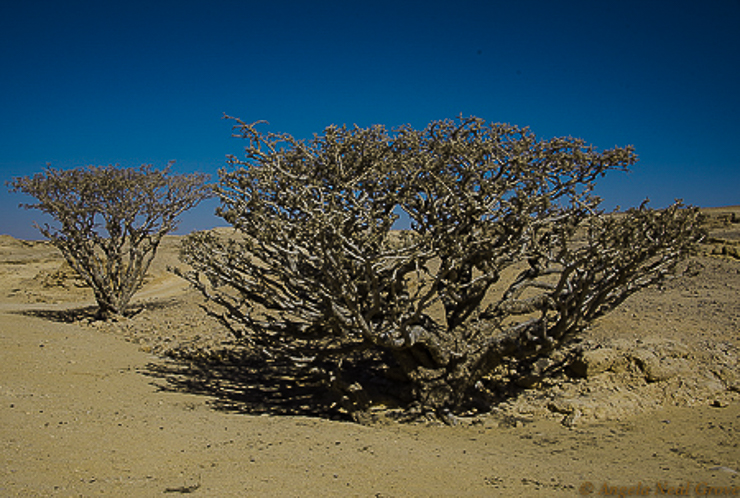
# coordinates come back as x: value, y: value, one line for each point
x: 507, y: 255
x: 111, y: 221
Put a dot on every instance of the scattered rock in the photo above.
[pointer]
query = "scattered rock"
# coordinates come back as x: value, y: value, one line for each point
x: 655, y: 369
x: 572, y: 419
x: 722, y: 468
x: 593, y: 362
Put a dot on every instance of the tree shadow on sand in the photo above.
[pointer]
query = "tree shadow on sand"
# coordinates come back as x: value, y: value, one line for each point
x: 241, y: 381
x: 88, y: 313
x: 238, y: 380
x: 67, y: 315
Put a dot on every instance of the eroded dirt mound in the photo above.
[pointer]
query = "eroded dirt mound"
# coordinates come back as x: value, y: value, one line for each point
x: 613, y: 379
x: 672, y: 346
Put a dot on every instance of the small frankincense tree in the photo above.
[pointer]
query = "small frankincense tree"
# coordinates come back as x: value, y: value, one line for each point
x: 112, y: 221
x: 507, y: 255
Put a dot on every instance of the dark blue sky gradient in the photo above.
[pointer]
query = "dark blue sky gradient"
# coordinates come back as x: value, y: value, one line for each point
x: 130, y: 82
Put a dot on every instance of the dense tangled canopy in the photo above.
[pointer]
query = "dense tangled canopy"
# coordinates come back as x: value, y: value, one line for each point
x: 111, y: 221
x: 506, y: 257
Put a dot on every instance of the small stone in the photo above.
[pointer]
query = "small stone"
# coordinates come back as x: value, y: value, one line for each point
x: 655, y: 369
x: 572, y: 419
x: 594, y: 362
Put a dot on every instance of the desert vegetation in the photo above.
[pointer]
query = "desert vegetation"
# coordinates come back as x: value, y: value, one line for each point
x: 111, y: 221
x: 507, y: 255
x: 147, y: 403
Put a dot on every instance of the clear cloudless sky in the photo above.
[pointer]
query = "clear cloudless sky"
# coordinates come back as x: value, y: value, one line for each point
x: 130, y: 82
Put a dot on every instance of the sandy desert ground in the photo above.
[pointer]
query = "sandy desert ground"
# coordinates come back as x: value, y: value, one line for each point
x: 649, y: 404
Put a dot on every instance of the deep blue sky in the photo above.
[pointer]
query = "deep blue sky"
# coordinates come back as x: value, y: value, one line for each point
x: 132, y: 82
